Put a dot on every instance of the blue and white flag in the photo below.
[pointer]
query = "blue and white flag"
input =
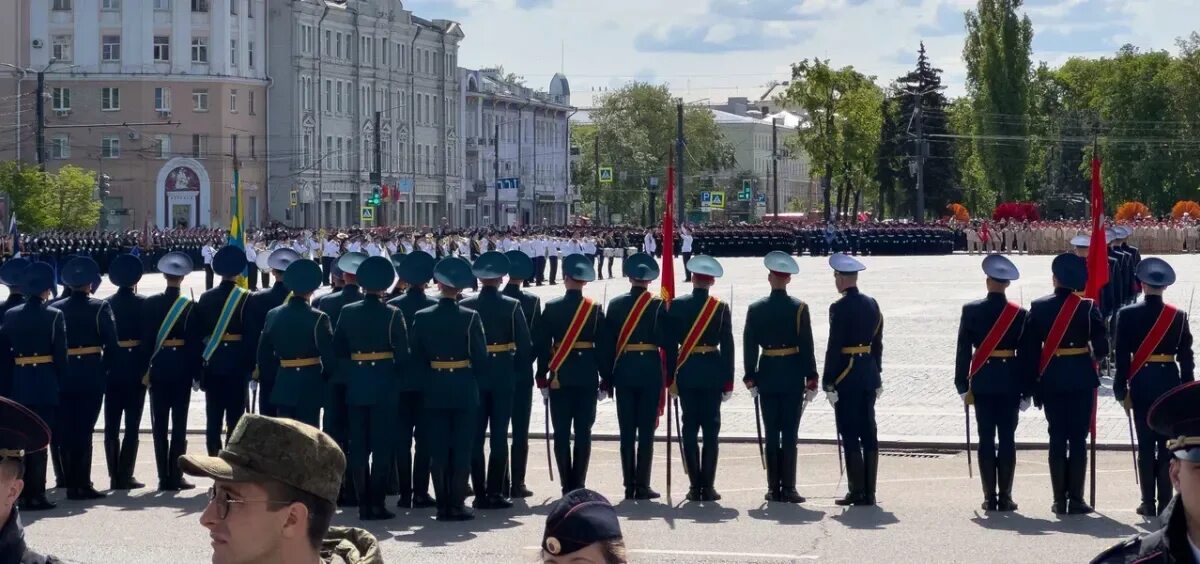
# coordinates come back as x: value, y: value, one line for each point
x: 14, y: 234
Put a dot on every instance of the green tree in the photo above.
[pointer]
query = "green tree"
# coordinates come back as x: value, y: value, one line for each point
x: 74, y: 198
x: 978, y: 195
x: 50, y: 200
x: 923, y: 84
x: 997, y: 53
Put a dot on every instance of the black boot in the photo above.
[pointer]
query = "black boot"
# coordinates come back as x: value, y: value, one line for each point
x: 642, y: 477
x: 787, y: 478
x: 178, y: 450
x: 116, y: 476
x: 772, y: 456
x: 81, y: 469
x: 691, y: 462
x: 1076, y: 475
x: 870, y: 473
x: 439, y: 489
x: 35, y: 476
x: 628, y: 471
x: 1148, y: 484
x: 1006, y: 470
x: 1058, y: 483
x: 362, y: 486
x: 987, y: 475
x: 422, y: 500
x: 457, y: 488
x: 708, y: 471
x: 58, y: 457
x: 854, y: 478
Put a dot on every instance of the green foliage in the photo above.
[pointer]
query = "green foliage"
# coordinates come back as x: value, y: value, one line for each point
x: 50, y: 200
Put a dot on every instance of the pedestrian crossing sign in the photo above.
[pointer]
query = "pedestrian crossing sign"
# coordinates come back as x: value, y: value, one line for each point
x: 295, y: 198
x: 606, y: 175
x: 717, y: 201
x: 368, y: 213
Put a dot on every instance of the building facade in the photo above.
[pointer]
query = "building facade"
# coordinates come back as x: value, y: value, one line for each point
x: 347, y: 62
x: 757, y: 143
x: 176, y: 90
x: 519, y: 135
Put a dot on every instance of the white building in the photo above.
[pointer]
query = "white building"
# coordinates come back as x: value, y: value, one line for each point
x: 348, y: 60
x: 532, y: 144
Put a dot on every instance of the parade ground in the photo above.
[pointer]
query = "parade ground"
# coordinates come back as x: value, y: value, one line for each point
x: 928, y: 512
x: 921, y: 298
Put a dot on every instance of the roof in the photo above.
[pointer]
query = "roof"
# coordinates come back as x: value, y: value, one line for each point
x: 788, y: 119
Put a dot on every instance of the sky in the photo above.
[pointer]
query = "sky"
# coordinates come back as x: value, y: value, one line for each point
x: 715, y: 49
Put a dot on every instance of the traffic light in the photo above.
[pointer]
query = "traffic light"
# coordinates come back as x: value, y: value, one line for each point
x: 375, y: 199
x: 104, y: 184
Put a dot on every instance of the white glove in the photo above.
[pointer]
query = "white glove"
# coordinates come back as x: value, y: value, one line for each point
x: 1025, y: 403
x: 832, y: 397
x: 545, y: 393
x: 195, y: 385
x: 601, y: 395
x: 254, y: 385
x: 809, y: 395
x: 963, y: 396
x: 754, y: 392
x: 878, y: 392
x: 725, y: 396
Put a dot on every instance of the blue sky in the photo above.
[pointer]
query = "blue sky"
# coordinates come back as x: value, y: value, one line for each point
x: 714, y: 49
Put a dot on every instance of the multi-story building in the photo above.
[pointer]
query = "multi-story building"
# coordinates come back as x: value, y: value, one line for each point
x: 761, y: 150
x: 521, y: 134
x: 177, y: 90
x: 338, y: 64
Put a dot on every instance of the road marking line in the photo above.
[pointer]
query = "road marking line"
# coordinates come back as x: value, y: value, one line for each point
x: 719, y: 554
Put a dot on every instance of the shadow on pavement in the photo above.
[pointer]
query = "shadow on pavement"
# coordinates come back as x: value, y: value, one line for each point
x: 704, y: 512
x: 122, y: 501
x: 785, y: 513
x: 1096, y: 525
x: 420, y: 527
x: 866, y: 517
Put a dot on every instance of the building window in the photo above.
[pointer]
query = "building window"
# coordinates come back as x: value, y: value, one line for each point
x: 233, y: 100
x: 200, y: 50
x: 304, y: 152
x: 60, y: 99
x: 62, y: 5
x: 162, y: 99
x: 249, y: 8
x: 250, y: 52
x: 328, y: 35
x: 200, y: 6
x: 60, y: 147
x: 162, y: 48
x: 110, y: 4
x: 339, y: 154
x: 328, y: 95
x: 233, y: 139
x: 306, y: 38
x: 162, y: 143
x: 110, y: 48
x: 60, y: 48
x: 253, y: 148
x: 251, y: 101
x: 162, y: 5
x: 338, y: 105
x: 110, y: 99
x: 233, y: 58
x: 338, y: 45
x: 383, y: 51
x: 233, y: 7
x: 200, y: 100
x: 110, y: 147
x: 199, y: 145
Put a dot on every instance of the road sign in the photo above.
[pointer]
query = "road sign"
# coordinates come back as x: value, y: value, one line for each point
x: 705, y: 200
x: 508, y: 183
x: 606, y: 175
x: 717, y: 201
x: 654, y: 182
x: 295, y: 198
x: 367, y: 213
x: 405, y: 185
x: 762, y: 197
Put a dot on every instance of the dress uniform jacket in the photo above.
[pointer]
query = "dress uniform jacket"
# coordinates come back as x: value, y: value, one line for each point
x: 713, y: 370
x: 1003, y: 374
x: 371, y: 326
x: 173, y: 367
x: 531, y: 307
x: 36, y: 329
x: 584, y: 367
x: 14, y: 299
x: 413, y: 300
x: 332, y: 305
x: 638, y: 368
x: 90, y: 325
x: 1065, y: 373
x: 1155, y: 378
x: 855, y: 320
x: 291, y: 332
x: 125, y: 395
x: 228, y: 369
x: 254, y: 318
x: 779, y: 322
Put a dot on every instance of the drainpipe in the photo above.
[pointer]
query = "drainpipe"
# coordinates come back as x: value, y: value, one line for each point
x: 320, y: 109
x: 412, y: 123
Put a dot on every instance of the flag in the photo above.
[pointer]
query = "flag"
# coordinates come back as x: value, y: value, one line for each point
x: 668, y: 273
x: 1097, y: 262
x: 237, y: 234
x: 14, y: 234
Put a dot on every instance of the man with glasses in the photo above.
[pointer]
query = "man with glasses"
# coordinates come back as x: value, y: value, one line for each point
x: 275, y: 488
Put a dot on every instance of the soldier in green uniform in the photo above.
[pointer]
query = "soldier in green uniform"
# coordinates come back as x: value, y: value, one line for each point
x: 703, y: 377
x: 637, y: 329
x: 336, y: 420
x: 371, y: 343
x: 449, y: 351
x: 783, y: 377
x: 258, y: 305
x: 571, y: 364
x: 227, y: 363
x: 508, y: 348
x: 520, y: 269
x: 296, y: 348
x: 416, y: 271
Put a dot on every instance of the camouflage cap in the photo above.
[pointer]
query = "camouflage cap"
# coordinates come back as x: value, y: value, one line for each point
x: 269, y: 448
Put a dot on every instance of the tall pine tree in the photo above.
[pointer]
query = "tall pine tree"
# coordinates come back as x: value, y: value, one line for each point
x: 924, y: 85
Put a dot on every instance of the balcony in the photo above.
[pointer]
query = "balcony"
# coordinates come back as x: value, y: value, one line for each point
x: 472, y: 146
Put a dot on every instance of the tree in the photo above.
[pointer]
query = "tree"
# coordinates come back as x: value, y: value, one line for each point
x: 511, y: 78
x: 924, y: 85
x: 978, y: 194
x: 997, y: 53
x: 46, y: 200
x: 77, y: 206
x: 890, y: 166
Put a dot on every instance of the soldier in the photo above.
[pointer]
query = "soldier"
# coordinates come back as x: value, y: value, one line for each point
x: 371, y: 343
x: 91, y: 340
x: 1066, y: 333
x: 1123, y: 233
x: 852, y: 378
x: 297, y: 341
x: 449, y: 349
x: 582, y: 526
x: 336, y: 419
x: 125, y: 395
x: 23, y: 435
x: 508, y: 348
x: 227, y: 361
x: 10, y: 273
x: 519, y: 270
x: 988, y: 375
x: 1154, y: 354
x: 33, y: 342
x: 254, y: 317
x: 637, y: 328
x: 702, y: 379
x: 785, y: 379
x: 416, y: 270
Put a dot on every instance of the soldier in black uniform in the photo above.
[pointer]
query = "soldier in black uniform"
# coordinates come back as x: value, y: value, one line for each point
x: 702, y: 327
x: 254, y: 318
x: 171, y: 341
x: 1066, y: 375
x: 989, y: 375
x: 852, y: 378
x: 1154, y: 354
x: 336, y: 418
x: 125, y: 395
x: 23, y: 436
x: 227, y: 360
x: 10, y: 273
x: 1173, y: 415
x: 91, y: 344
x: 520, y: 269
x: 637, y: 328
x: 416, y: 270
x: 784, y: 378
x: 508, y: 348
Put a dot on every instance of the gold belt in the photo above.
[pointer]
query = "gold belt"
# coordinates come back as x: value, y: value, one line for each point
x: 365, y: 357
x: 1072, y: 352
x: 34, y: 360
x: 230, y: 338
x: 299, y: 362
x: 1161, y: 358
x: 1003, y: 354
x: 79, y: 351
x: 128, y: 344
x: 501, y: 347
x: 173, y: 343
x: 581, y: 345
x: 861, y: 349
x: 449, y: 364
x: 704, y: 349
x: 786, y: 351
x: 641, y: 347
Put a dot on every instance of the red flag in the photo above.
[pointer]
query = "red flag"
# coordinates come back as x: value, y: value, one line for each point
x: 1097, y: 263
x: 668, y: 271
x: 384, y: 192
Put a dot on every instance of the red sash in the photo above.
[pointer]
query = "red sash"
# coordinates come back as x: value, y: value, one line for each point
x: 698, y: 327
x: 997, y: 332
x: 1061, y: 322
x: 1153, y: 338
x: 573, y: 331
x: 635, y: 315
